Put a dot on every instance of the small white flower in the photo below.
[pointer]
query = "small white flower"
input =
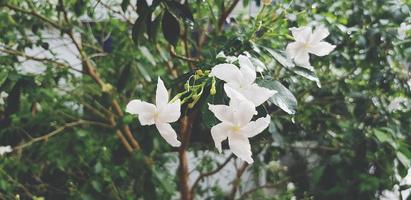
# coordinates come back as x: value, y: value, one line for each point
x: 242, y: 80
x: 5, y: 149
x: 3, y: 95
x: 307, y: 41
x: 236, y: 125
x: 402, y: 30
x: 161, y: 114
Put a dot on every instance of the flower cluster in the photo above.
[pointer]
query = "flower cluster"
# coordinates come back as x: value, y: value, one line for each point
x: 245, y: 95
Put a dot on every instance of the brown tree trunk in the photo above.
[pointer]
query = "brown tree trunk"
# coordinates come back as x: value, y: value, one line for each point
x: 185, y: 132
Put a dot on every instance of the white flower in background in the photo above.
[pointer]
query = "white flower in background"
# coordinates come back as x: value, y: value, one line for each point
x: 5, y: 149
x: 402, y: 30
x: 236, y: 125
x: 3, y: 95
x: 161, y: 114
x: 242, y: 80
x: 308, y: 41
x: 228, y: 59
x: 149, y: 2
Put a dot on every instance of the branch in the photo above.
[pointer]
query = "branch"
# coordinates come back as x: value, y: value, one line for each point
x: 59, y: 130
x: 186, y: 58
x: 267, y: 185
x: 35, y: 14
x: 21, y: 54
x: 237, y: 180
x: 225, y: 14
x: 204, y: 175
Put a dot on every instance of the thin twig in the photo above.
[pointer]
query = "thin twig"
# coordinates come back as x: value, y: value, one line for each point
x: 204, y: 175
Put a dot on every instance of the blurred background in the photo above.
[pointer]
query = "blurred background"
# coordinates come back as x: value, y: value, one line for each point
x: 69, y: 67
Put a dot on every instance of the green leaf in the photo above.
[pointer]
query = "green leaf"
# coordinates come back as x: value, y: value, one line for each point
x: 96, y: 185
x: 280, y: 58
x: 181, y: 10
x: 275, y: 134
x: 152, y: 27
x: 308, y: 74
x: 171, y: 28
x: 124, y: 5
x: 283, y: 98
x: 138, y: 29
x: 3, y: 77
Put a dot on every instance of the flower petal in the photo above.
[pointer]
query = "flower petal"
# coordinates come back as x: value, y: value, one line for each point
x: 222, y: 112
x: 227, y: 73
x: 292, y: 49
x: 219, y: 133
x: 257, y: 94
x: 161, y: 94
x: 168, y: 133
x: 302, y: 58
x: 170, y: 112
x: 301, y: 34
x: 247, y: 69
x: 144, y: 110
x: 233, y: 92
x: 256, y: 127
x: 243, y: 112
x: 319, y: 34
x: 240, y: 146
x: 321, y: 48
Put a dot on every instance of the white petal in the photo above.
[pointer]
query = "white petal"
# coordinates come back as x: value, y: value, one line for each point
x: 147, y: 119
x: 319, y: 34
x: 243, y: 112
x: 227, y: 73
x: 219, y: 133
x: 233, y: 92
x: 144, y: 110
x: 257, y: 94
x: 222, y: 112
x: 170, y: 112
x: 240, y: 146
x: 321, y: 48
x: 161, y: 94
x: 301, y: 34
x: 256, y: 127
x: 247, y: 69
x: 168, y: 133
x: 302, y: 58
x: 137, y: 107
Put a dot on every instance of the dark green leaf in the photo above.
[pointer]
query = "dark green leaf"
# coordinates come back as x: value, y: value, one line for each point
x: 171, y: 28
x: 180, y: 10
x: 138, y: 29
x: 124, y: 5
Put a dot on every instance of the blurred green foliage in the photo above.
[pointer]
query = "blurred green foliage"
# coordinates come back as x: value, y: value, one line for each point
x: 348, y: 139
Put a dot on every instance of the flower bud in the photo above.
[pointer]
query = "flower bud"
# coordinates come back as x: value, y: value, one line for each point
x: 199, y: 72
x: 212, y: 89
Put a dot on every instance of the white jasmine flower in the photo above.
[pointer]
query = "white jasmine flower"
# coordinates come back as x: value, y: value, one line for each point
x: 3, y: 95
x: 308, y: 41
x: 236, y: 125
x: 161, y: 114
x: 402, y: 30
x: 242, y: 80
x: 5, y: 149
